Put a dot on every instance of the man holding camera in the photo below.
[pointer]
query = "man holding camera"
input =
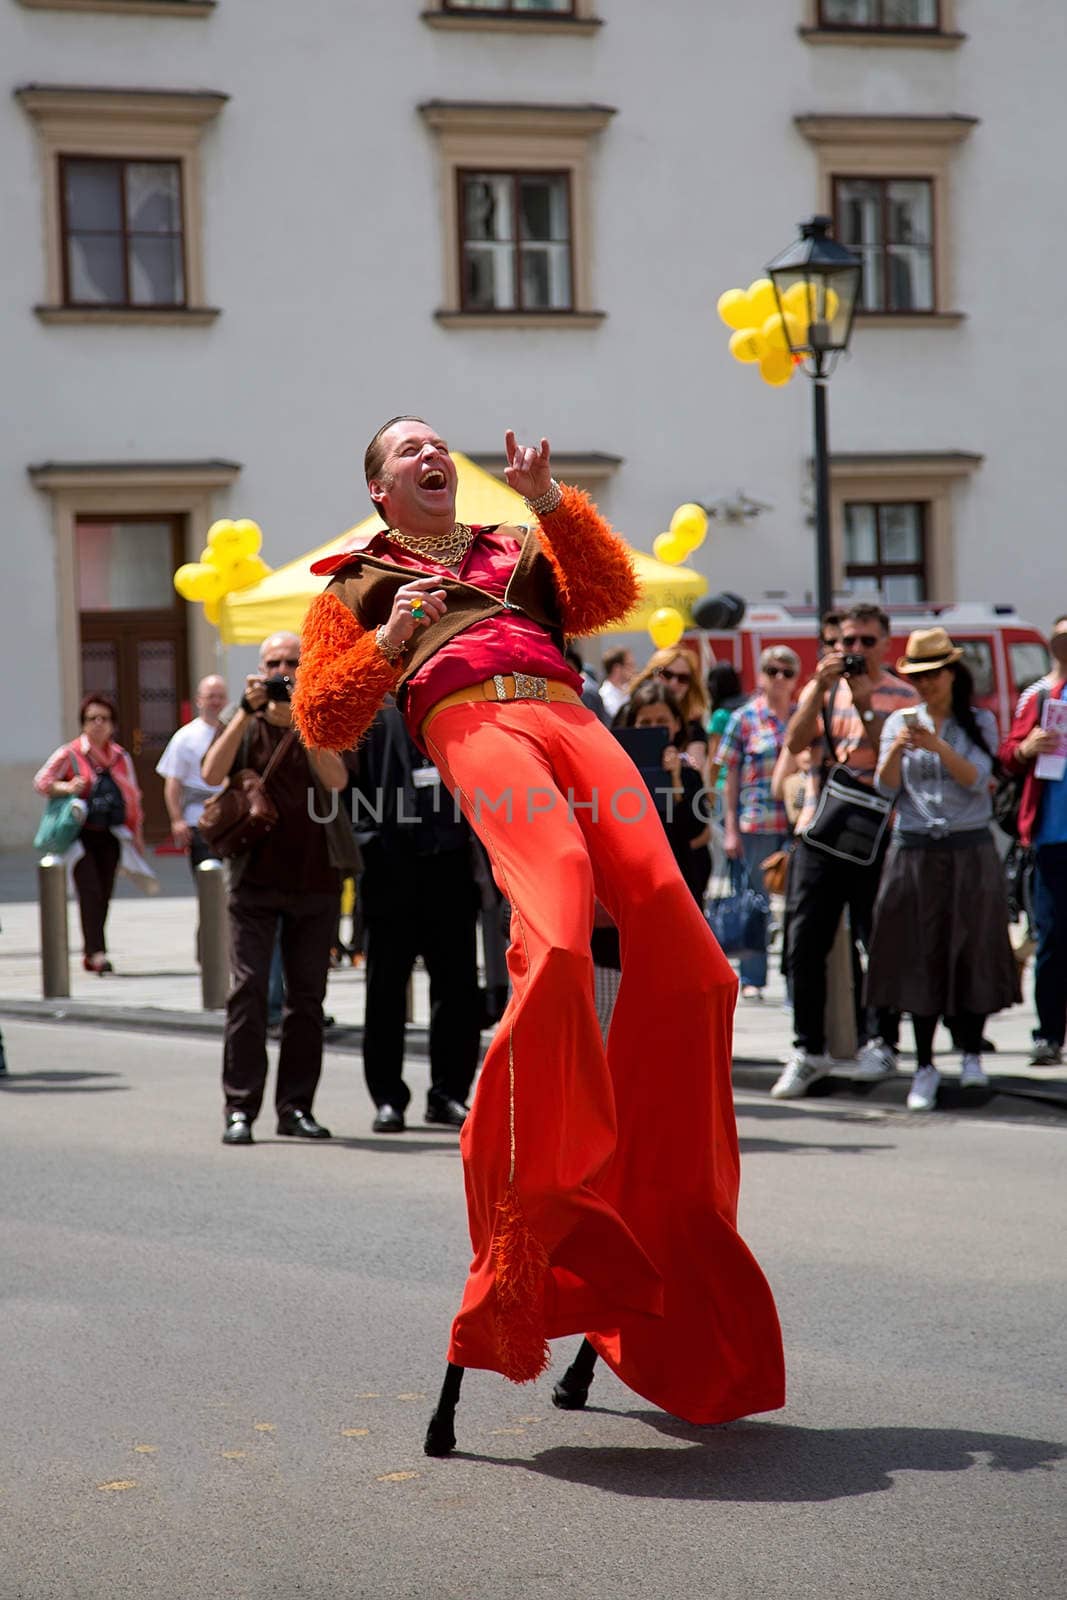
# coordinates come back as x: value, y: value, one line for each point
x: 291, y: 878
x: 849, y: 696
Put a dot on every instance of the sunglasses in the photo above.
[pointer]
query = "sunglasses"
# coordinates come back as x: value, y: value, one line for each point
x: 99, y: 716
x: 867, y: 640
x: 282, y: 661
x: 675, y: 677
x: 779, y: 672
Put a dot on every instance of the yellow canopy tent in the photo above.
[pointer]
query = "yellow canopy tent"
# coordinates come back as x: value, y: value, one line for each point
x: 280, y: 600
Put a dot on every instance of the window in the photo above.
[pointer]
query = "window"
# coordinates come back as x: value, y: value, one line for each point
x: 978, y: 659
x: 121, y: 194
x: 516, y: 241
x: 563, y: 7
x: 884, y: 14
x: 129, y: 8
x: 893, y: 521
x: 887, y: 182
x: 571, y: 17
x: 517, y: 225
x: 122, y: 232
x: 125, y: 565
x: 1029, y: 662
x: 888, y: 222
x: 885, y: 549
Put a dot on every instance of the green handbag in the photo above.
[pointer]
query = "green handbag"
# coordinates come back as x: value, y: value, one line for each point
x: 61, y: 824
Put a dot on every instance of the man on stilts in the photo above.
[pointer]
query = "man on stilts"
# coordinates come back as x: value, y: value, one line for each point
x: 601, y: 1186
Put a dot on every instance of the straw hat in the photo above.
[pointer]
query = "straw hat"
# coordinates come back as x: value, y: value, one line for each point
x: 928, y: 649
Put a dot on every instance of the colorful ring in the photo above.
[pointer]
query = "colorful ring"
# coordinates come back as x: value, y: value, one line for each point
x: 417, y: 611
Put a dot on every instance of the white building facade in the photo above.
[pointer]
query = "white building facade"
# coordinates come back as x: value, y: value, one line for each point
x: 239, y: 235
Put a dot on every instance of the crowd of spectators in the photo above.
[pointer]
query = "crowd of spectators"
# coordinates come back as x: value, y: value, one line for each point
x: 752, y: 778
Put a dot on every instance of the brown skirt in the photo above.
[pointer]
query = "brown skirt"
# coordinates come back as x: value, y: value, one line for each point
x: 940, y: 940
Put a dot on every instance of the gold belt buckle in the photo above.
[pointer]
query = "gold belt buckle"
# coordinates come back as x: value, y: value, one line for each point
x: 527, y: 686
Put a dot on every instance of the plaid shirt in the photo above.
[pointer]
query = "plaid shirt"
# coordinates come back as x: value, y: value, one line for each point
x: 752, y: 741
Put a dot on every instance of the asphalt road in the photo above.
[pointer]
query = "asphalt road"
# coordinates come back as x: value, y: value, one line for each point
x: 218, y: 1364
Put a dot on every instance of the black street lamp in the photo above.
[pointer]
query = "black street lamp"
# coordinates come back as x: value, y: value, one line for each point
x: 816, y: 284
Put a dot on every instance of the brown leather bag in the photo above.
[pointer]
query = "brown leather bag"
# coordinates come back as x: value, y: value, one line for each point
x: 244, y: 813
x: 775, y: 869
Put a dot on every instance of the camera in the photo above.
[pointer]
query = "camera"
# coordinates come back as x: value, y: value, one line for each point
x: 279, y: 688
x: 855, y: 665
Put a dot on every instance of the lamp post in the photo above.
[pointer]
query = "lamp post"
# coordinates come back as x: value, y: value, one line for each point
x: 816, y: 284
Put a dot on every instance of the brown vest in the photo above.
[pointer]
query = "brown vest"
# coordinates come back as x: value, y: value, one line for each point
x: 368, y: 585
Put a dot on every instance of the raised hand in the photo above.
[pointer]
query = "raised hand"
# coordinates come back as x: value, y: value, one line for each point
x: 527, y: 471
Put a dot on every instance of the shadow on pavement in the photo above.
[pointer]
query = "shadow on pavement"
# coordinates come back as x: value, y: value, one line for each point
x: 57, y: 1082
x: 773, y: 1463
x: 787, y: 1147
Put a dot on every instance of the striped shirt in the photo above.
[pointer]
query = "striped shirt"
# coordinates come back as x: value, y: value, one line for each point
x: 751, y: 742
x: 851, y: 746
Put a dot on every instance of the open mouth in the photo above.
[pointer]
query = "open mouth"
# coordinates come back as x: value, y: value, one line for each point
x: 433, y: 478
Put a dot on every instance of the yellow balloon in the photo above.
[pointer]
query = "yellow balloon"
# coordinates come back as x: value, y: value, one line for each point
x: 795, y: 300
x: 243, y: 573
x: 249, y: 536
x: 196, y: 581
x: 689, y: 525
x: 776, y: 368
x: 666, y: 627
x: 733, y: 308
x: 775, y: 329
x: 668, y: 547
x: 746, y: 344
x: 761, y: 301
x: 225, y: 542
x: 211, y: 612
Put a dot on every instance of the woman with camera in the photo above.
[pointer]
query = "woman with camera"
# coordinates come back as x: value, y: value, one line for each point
x: 95, y: 768
x: 940, y: 944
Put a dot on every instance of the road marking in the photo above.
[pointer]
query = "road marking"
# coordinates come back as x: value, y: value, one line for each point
x: 355, y: 1433
x: 146, y: 1449
x: 264, y: 1427
x: 234, y: 1455
x: 119, y: 1483
x: 396, y: 1477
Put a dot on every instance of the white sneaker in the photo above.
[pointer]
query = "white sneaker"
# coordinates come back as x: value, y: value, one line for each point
x: 971, y: 1074
x: 922, y: 1096
x: 801, y: 1071
x: 876, y: 1060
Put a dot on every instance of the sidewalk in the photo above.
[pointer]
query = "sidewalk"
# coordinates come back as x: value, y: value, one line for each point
x: 156, y: 987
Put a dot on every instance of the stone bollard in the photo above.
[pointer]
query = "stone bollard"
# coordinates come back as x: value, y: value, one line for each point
x: 214, y: 935
x: 841, y: 1039
x: 55, y: 947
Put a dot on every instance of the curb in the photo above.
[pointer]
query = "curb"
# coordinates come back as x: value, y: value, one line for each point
x: 1010, y: 1097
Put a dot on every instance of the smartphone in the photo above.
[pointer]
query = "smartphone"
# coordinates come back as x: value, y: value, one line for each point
x: 279, y: 688
x: 910, y: 716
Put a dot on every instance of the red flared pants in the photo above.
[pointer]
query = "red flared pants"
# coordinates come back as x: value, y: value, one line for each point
x: 602, y: 1189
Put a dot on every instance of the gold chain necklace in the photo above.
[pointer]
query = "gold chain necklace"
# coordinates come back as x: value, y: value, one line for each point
x: 448, y: 551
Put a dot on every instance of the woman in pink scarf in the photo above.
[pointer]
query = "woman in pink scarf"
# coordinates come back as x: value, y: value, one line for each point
x: 97, y: 769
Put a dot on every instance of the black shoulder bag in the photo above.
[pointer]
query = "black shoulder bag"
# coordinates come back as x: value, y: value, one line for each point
x: 851, y: 817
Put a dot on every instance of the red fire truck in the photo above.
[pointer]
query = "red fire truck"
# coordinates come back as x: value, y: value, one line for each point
x: 1004, y: 653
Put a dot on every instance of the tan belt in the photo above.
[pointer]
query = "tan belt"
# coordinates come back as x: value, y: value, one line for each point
x: 502, y: 687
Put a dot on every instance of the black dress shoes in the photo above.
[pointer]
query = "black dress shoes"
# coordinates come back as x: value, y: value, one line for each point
x: 301, y: 1125
x: 238, y: 1128
x: 450, y: 1113
x: 388, y: 1120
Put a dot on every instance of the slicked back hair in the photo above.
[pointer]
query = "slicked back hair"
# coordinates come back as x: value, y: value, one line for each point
x: 374, y: 458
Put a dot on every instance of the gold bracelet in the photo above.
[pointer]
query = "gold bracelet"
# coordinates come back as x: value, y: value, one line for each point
x: 547, y: 502
x: 391, y: 652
